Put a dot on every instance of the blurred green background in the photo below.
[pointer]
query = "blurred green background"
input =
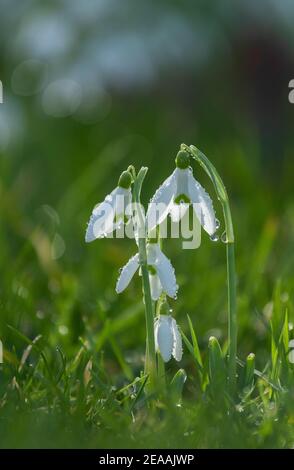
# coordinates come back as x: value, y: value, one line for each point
x: 91, y: 87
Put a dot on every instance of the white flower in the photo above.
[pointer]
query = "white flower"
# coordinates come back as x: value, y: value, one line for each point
x: 161, y: 273
x: 112, y: 212
x: 176, y: 194
x: 168, y: 340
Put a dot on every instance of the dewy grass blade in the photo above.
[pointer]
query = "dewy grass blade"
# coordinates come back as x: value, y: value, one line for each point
x: 40, y: 352
x: 262, y: 376
x: 284, y: 337
x: 196, y: 350
x: 140, y: 391
x: 195, y: 342
x: 191, y: 350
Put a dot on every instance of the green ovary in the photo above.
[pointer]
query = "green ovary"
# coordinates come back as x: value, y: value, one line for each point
x: 182, y: 198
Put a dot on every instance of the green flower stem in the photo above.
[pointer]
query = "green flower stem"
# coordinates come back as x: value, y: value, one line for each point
x: 150, y: 360
x: 150, y: 365
x: 229, y: 240
x: 232, y: 308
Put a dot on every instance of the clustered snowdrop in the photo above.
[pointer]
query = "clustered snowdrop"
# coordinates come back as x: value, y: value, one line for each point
x: 113, y: 211
x: 161, y: 273
x: 173, y: 198
x: 175, y: 195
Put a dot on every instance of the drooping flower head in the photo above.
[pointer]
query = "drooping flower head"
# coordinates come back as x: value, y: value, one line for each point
x: 161, y: 273
x: 168, y: 340
x: 113, y: 211
x: 175, y: 195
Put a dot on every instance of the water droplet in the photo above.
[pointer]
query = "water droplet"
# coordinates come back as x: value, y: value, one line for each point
x: 224, y: 237
x: 214, y: 237
x: 217, y: 224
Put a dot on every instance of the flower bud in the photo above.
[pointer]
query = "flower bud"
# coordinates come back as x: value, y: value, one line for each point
x: 182, y: 160
x: 125, y: 180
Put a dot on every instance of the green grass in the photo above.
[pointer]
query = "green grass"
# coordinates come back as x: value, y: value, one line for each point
x: 74, y: 350
x: 49, y: 400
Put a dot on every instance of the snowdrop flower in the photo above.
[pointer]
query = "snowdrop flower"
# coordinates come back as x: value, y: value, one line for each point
x: 168, y: 340
x: 113, y: 211
x: 176, y: 194
x: 161, y: 273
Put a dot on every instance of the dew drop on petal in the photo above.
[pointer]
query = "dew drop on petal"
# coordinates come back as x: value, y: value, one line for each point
x: 214, y: 237
x: 224, y: 237
x: 217, y: 224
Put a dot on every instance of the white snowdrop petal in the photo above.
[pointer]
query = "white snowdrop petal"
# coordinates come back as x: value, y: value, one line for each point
x: 127, y: 273
x: 202, y: 205
x: 159, y: 205
x: 166, y: 274
x: 178, y: 211
x: 164, y: 337
x: 177, y: 351
x: 101, y: 221
x: 155, y: 286
x: 106, y: 216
